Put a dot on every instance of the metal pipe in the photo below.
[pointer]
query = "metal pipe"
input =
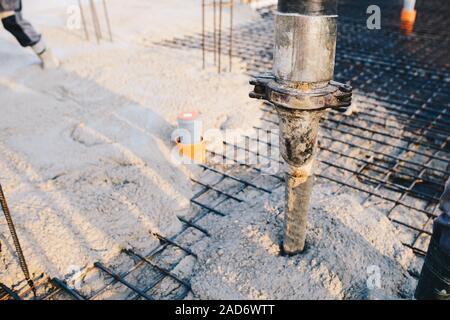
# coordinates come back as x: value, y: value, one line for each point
x: 308, y: 7
x: 305, y: 45
x: 301, y: 88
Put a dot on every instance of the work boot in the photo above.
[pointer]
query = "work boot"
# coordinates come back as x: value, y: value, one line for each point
x: 45, y: 54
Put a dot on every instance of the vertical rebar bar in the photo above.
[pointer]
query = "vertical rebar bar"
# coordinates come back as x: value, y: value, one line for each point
x: 215, y: 31
x: 12, y: 230
x: 95, y: 21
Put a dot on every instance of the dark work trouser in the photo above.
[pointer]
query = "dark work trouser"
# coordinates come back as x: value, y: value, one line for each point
x: 21, y: 29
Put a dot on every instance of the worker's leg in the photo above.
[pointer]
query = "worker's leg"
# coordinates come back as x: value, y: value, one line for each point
x: 27, y: 36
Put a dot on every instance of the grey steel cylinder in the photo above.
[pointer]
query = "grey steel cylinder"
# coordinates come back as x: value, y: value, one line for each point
x: 298, y: 135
